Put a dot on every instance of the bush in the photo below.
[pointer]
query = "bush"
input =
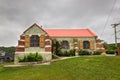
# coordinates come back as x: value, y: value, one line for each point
x: 31, y: 58
x: 110, y: 52
x: 84, y: 52
x: 96, y: 52
x: 63, y: 53
x: 38, y: 57
x: 59, y: 53
x: 72, y: 52
x: 66, y: 53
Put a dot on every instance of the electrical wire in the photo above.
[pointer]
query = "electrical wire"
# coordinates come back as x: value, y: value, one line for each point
x: 106, y: 22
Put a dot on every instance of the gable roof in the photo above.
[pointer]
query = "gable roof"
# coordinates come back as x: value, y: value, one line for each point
x: 65, y: 32
x: 40, y: 27
x: 70, y: 33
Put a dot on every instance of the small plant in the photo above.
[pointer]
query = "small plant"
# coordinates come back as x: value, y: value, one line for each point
x: 110, y: 52
x: 63, y: 53
x: 84, y: 52
x: 66, y: 53
x: 31, y: 58
x: 96, y: 52
x: 38, y: 57
x: 72, y: 52
x: 59, y: 53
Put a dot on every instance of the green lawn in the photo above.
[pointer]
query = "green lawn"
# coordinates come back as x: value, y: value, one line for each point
x: 81, y: 68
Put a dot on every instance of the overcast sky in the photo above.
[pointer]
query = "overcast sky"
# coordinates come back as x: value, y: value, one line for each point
x: 18, y: 15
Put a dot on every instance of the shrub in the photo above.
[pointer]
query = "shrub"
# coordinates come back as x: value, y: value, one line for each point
x: 72, y: 52
x: 63, y: 53
x: 110, y: 52
x: 38, y: 57
x: 66, y: 53
x: 84, y: 52
x: 31, y: 58
x: 59, y: 53
x: 96, y: 52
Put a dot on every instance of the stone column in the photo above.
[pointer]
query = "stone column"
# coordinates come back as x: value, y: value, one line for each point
x: 76, y: 47
x: 47, y: 44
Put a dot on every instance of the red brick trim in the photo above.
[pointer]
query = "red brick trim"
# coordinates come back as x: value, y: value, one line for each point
x: 20, y: 49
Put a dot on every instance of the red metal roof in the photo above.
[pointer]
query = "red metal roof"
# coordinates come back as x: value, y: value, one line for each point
x: 66, y: 32
x: 70, y: 33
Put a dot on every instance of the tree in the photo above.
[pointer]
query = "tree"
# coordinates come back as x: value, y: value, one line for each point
x: 57, y: 47
x: 8, y: 49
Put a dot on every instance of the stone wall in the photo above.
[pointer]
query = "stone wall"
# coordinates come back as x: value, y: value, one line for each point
x: 100, y: 46
x: 24, y: 47
x: 47, y: 56
x: 73, y: 43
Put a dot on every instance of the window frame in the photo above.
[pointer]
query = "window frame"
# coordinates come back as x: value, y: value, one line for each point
x: 86, y: 44
x: 34, y: 41
x: 65, y: 44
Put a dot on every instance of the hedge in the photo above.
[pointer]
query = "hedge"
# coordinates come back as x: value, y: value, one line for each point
x: 31, y: 58
x: 96, y: 52
x: 110, y: 52
x: 84, y: 52
x: 66, y: 53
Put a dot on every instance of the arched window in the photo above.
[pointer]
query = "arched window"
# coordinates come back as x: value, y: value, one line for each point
x: 65, y: 44
x: 86, y: 44
x: 34, y: 41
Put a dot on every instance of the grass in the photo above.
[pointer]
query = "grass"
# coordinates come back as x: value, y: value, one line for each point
x: 81, y: 68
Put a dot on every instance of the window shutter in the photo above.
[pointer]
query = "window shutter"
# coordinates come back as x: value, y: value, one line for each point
x: 91, y: 44
x: 81, y: 45
x: 27, y: 41
x: 42, y: 41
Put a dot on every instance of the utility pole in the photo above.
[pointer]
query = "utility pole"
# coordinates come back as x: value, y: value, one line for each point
x: 115, y: 26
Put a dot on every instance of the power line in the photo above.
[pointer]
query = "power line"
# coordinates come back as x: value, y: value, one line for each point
x: 115, y: 31
x: 108, y: 17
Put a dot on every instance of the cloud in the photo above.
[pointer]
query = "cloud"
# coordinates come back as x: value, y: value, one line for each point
x: 17, y: 15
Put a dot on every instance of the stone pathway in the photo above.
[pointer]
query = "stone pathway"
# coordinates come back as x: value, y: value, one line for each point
x: 46, y: 63
x: 31, y: 64
x: 62, y: 58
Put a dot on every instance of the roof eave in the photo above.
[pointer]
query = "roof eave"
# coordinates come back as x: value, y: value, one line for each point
x: 40, y: 27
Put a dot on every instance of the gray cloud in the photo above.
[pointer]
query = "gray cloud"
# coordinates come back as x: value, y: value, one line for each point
x: 17, y: 15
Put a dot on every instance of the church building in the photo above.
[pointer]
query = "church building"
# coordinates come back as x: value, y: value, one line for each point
x: 36, y: 39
